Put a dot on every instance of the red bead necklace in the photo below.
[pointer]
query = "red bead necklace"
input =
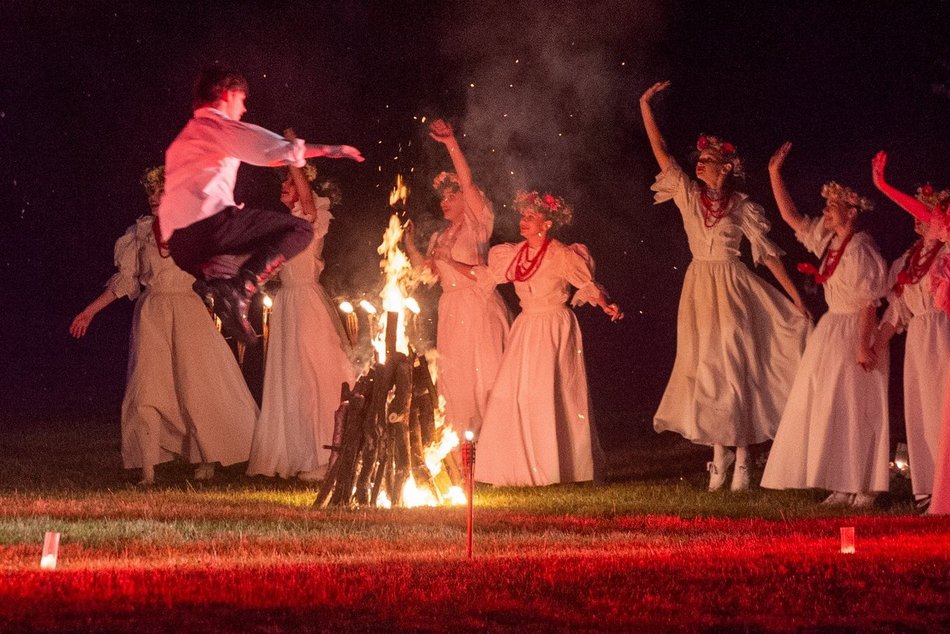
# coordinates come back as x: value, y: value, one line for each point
x: 916, y: 265
x: 828, y: 264
x: 525, y: 266
x: 714, y: 209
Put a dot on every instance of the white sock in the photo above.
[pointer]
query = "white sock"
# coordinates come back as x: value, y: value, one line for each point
x: 742, y: 456
x: 719, y: 454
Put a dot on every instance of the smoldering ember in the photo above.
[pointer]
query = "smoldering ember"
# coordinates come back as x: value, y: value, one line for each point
x: 497, y: 316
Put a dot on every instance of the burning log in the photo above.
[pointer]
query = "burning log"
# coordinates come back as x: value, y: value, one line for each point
x: 391, y: 448
x: 381, y: 441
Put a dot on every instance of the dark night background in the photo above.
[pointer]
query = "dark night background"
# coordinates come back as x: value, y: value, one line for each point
x: 545, y: 93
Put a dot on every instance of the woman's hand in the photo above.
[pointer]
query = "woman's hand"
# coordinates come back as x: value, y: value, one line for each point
x: 613, y: 311
x: 81, y: 323
x: 867, y: 358
x: 409, y: 239
x: 778, y: 159
x: 441, y: 130
x: 878, y: 163
x: 659, y: 86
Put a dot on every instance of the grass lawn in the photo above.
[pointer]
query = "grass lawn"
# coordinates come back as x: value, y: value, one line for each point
x: 651, y: 551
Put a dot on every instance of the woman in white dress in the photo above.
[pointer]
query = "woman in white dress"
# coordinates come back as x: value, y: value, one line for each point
x: 834, y: 432
x: 473, y: 321
x: 927, y: 349
x: 307, y: 362
x: 185, y: 394
x: 738, y: 339
x: 931, y: 209
x: 537, y: 427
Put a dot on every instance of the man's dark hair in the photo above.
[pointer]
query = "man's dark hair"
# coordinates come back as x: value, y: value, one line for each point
x: 213, y: 82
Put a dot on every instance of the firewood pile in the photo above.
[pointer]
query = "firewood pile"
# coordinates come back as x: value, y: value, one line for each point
x: 388, y: 448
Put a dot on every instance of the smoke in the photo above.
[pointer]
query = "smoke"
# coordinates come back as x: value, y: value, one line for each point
x: 547, y: 87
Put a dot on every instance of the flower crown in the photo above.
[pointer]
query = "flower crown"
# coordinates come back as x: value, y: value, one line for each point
x: 154, y: 179
x: 326, y: 188
x: 933, y: 198
x: 726, y: 151
x: 446, y: 183
x: 552, y: 208
x: 309, y: 171
x: 834, y: 191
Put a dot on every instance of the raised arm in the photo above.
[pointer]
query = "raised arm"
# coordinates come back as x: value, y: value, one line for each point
x: 82, y: 321
x: 657, y: 142
x: 783, y: 199
x: 442, y: 132
x: 906, y: 202
x: 304, y: 193
x: 409, y: 241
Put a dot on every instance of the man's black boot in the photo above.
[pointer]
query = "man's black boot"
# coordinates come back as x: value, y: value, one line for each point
x: 259, y: 268
x: 231, y: 304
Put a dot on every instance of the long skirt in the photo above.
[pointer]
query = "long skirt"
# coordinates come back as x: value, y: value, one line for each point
x: 738, y: 345
x: 185, y: 394
x: 305, y: 369
x: 472, y: 329
x: 834, y: 431
x: 537, y: 427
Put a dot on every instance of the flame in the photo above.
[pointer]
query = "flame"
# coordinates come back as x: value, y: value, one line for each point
x: 397, y: 271
x: 400, y: 192
x: 267, y: 301
x: 346, y: 307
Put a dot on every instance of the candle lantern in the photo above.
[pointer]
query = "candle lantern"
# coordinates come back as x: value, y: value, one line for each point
x: 847, y: 540
x: 50, y: 550
x: 901, y: 463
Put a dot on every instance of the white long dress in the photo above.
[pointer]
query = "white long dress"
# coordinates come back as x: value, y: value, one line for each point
x: 537, y: 427
x: 739, y: 340
x: 473, y: 321
x: 185, y: 394
x: 306, y: 366
x: 940, y: 289
x: 834, y: 431
x: 926, y: 369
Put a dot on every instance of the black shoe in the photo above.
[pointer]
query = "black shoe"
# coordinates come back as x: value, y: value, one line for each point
x: 259, y: 268
x: 231, y: 305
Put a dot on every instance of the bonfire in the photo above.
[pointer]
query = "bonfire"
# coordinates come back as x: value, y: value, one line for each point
x: 392, y: 445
